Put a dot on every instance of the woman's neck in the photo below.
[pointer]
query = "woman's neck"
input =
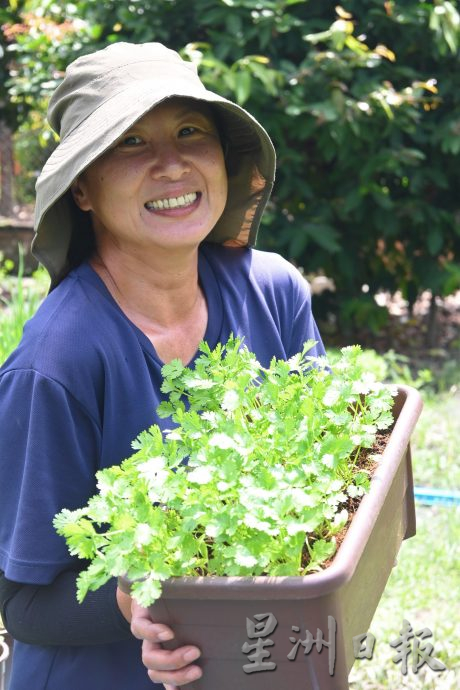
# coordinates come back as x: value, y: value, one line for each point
x: 163, y: 299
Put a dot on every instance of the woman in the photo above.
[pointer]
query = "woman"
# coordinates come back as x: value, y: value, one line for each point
x: 145, y: 215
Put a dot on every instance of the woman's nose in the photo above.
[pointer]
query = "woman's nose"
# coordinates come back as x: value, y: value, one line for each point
x: 168, y: 161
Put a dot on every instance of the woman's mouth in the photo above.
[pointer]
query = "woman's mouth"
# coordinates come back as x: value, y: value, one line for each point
x: 182, y: 201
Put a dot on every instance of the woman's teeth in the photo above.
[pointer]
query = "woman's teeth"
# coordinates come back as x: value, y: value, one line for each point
x: 173, y: 202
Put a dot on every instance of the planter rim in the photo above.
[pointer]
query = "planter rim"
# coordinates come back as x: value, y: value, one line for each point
x: 409, y: 402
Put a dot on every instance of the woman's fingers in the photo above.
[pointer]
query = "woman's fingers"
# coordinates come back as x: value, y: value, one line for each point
x: 154, y: 656
x: 144, y: 628
x: 179, y: 679
x: 170, y: 667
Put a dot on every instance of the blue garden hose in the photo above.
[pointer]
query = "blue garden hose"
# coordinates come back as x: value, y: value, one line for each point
x: 429, y: 496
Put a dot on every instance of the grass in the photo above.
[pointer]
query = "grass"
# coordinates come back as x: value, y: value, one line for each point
x: 19, y: 299
x: 436, y: 457
x: 422, y: 589
x: 424, y: 586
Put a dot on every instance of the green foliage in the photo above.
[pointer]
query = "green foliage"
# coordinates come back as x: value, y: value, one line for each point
x: 33, y: 145
x: 8, y: 16
x: 252, y: 479
x: 19, y: 300
x: 392, y: 367
x: 362, y: 102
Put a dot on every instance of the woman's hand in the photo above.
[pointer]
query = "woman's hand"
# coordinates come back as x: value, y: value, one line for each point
x: 173, y: 668
x: 124, y: 602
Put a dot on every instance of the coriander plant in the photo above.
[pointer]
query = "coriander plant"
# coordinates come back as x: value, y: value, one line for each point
x: 252, y: 478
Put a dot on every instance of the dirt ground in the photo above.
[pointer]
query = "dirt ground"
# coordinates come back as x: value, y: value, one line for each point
x: 407, y: 333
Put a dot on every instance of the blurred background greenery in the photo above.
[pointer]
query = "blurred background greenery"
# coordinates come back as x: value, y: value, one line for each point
x: 362, y: 101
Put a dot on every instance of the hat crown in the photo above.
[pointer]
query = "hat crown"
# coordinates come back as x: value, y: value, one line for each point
x: 93, y: 79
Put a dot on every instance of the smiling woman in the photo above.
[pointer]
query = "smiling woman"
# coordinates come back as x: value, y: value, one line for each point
x: 153, y: 198
x: 146, y: 217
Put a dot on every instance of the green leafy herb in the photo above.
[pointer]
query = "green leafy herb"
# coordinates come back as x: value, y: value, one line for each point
x: 251, y: 479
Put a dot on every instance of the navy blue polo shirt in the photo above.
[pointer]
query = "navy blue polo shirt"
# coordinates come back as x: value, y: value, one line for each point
x: 81, y: 385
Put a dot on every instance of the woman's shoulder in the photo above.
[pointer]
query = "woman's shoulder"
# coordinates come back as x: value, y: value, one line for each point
x: 69, y: 329
x: 253, y: 264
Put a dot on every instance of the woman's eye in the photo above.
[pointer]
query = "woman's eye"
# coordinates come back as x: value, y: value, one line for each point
x: 131, y: 140
x: 186, y: 131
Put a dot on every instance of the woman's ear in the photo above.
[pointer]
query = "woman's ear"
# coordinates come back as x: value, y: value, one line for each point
x: 79, y: 195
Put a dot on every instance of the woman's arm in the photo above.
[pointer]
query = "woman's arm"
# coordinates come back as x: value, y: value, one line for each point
x: 51, y: 615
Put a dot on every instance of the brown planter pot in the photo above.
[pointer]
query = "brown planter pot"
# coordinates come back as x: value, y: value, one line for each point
x: 218, y: 613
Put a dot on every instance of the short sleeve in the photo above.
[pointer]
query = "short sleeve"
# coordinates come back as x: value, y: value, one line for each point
x: 303, y: 325
x: 49, y: 449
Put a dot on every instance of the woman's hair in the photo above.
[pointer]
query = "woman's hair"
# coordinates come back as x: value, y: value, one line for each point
x: 82, y: 239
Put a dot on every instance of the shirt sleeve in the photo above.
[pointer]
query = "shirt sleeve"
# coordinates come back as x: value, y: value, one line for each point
x: 49, y: 450
x: 303, y: 325
x: 51, y: 615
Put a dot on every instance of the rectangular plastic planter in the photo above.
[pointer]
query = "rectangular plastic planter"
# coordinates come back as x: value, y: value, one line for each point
x: 212, y: 612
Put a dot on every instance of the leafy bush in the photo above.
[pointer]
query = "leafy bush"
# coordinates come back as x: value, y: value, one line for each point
x: 253, y: 478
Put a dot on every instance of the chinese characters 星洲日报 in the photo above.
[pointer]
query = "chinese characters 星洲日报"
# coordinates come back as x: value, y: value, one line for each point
x: 363, y: 645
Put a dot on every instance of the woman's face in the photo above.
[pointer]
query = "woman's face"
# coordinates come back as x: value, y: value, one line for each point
x: 164, y: 182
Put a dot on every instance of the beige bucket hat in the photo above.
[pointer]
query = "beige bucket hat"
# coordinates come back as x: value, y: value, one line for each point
x: 102, y: 95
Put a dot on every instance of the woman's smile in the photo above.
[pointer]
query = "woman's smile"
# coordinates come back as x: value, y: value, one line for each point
x: 175, y: 203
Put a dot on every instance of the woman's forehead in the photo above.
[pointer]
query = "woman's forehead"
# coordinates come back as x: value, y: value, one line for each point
x: 178, y: 107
